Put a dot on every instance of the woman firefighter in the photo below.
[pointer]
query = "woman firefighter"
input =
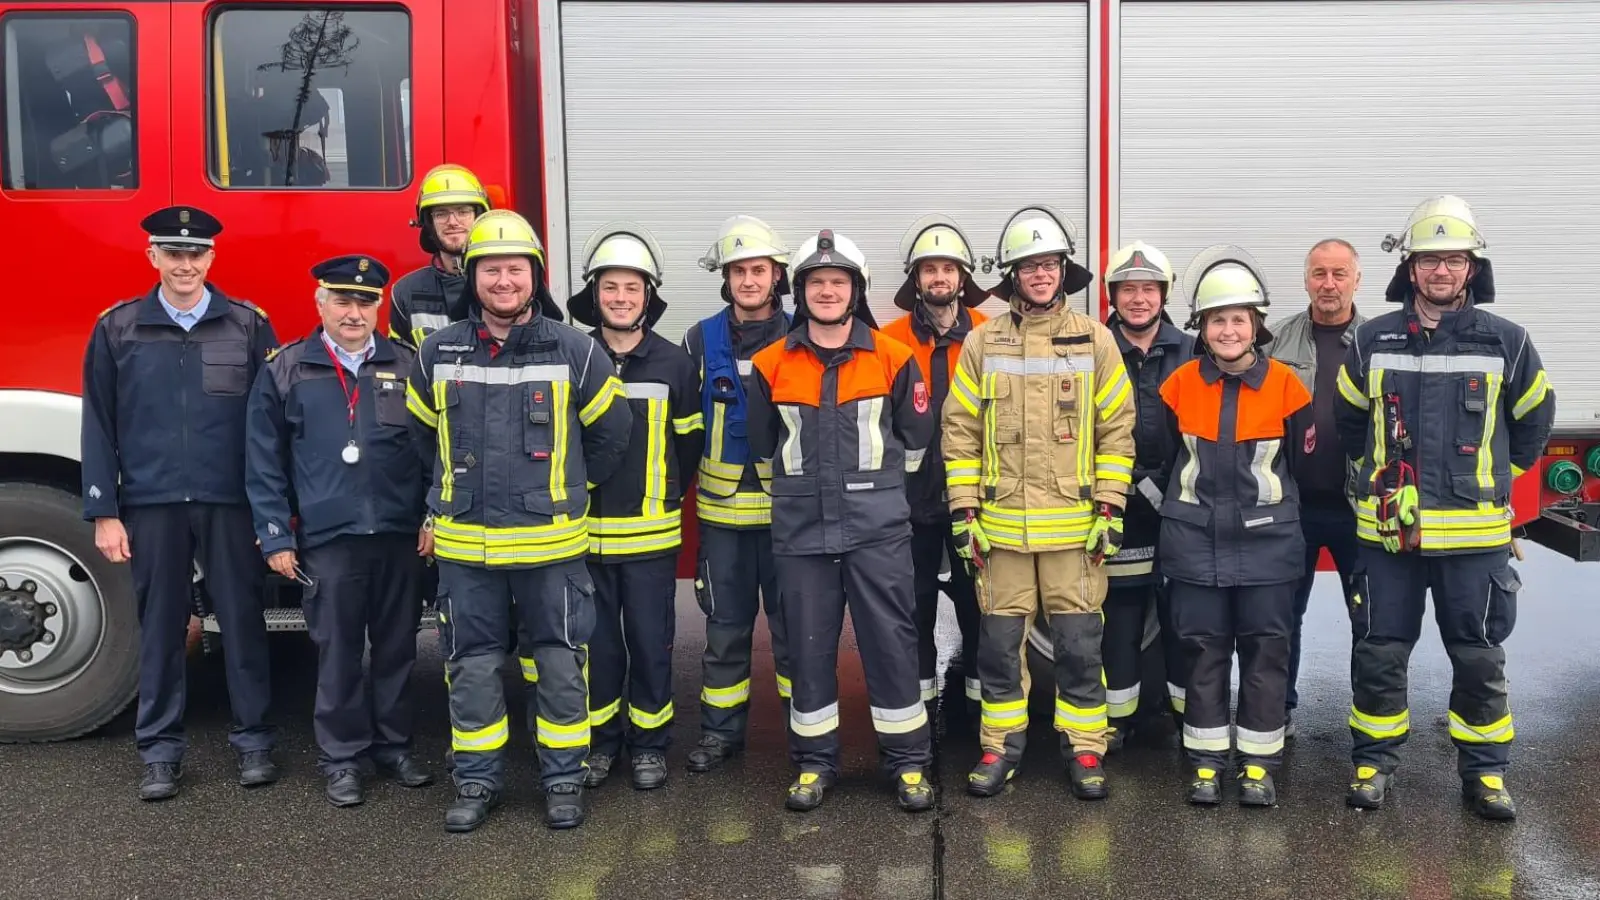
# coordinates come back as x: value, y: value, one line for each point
x: 1230, y: 532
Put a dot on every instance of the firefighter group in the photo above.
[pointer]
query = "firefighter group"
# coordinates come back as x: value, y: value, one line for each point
x: 1072, y: 476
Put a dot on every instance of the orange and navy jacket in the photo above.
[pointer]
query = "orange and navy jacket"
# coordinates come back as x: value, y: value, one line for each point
x: 1231, y: 513
x: 936, y: 355
x: 841, y: 428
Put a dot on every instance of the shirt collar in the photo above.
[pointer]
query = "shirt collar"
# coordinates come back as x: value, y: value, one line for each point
x: 346, y: 356
x: 1253, y: 377
x: 193, y: 314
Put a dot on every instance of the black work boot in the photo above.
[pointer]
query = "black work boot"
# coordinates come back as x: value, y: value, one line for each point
x: 1368, y: 789
x: 563, y: 806
x: 990, y: 775
x: 649, y: 770
x: 1204, y: 788
x: 1256, y: 787
x: 472, y: 806
x: 1489, y: 798
x: 806, y: 792
x: 160, y: 781
x: 344, y: 788
x: 1117, y: 735
x: 598, y: 769
x: 913, y: 792
x: 257, y: 768
x: 711, y: 752
x: 1087, y: 773
x: 406, y: 771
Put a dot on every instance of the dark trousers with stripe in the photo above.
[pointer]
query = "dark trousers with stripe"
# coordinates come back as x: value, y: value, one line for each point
x: 931, y: 546
x: 735, y: 576
x: 876, y: 583
x: 1211, y: 623
x: 1475, y: 604
x: 363, y: 588
x: 632, y: 647
x: 554, y: 607
x: 165, y: 540
x: 1172, y: 654
x: 1126, y: 610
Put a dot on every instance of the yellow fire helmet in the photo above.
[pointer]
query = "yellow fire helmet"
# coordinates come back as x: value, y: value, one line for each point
x: 747, y: 237
x: 1140, y: 262
x: 1442, y: 224
x: 937, y: 237
x: 446, y: 185
x: 501, y: 232
x: 1223, y: 276
x: 620, y: 245
x: 1038, y: 230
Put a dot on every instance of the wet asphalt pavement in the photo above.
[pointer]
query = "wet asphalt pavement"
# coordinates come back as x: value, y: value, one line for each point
x: 71, y: 827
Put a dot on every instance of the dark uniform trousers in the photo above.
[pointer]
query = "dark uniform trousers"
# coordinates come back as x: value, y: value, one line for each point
x: 636, y: 618
x: 363, y: 587
x: 931, y: 546
x: 876, y: 583
x: 165, y: 540
x: 1333, y: 527
x: 1172, y: 653
x: 1475, y: 603
x: 1122, y: 647
x: 555, y: 617
x: 1211, y: 623
x: 736, y: 576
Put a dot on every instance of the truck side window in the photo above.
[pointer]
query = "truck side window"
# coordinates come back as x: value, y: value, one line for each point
x: 310, y: 98
x: 69, y: 102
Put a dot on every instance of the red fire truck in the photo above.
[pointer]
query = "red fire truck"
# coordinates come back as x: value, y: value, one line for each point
x: 304, y: 125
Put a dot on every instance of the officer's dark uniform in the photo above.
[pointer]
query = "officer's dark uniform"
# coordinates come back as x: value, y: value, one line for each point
x: 1132, y: 577
x: 163, y: 449
x: 425, y: 300
x: 635, y: 531
x: 521, y: 429
x: 334, y: 448
x: 1477, y: 407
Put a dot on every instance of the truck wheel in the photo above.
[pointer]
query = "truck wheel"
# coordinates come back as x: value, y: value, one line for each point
x: 69, y: 624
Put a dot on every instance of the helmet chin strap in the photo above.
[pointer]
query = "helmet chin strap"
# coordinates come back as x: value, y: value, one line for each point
x: 1141, y: 329
x: 636, y: 325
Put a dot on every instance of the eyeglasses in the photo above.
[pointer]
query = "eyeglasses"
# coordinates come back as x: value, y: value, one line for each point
x: 1452, y: 263
x: 1048, y: 265
x: 465, y: 213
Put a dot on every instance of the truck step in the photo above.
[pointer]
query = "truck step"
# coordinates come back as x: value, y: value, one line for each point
x: 293, y: 618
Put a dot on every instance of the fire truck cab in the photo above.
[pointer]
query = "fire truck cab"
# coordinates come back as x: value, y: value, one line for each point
x: 304, y: 126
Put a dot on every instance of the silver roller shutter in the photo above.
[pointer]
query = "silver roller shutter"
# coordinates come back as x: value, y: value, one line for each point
x: 1275, y: 124
x: 855, y: 116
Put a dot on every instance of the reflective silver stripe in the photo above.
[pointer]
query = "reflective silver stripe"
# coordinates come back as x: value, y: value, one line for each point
x: 1190, y: 472
x: 869, y: 439
x: 973, y: 688
x: 746, y: 367
x: 1260, y: 743
x: 814, y: 724
x: 647, y: 391
x: 1148, y: 488
x: 792, y: 453
x: 1269, y: 489
x: 1462, y: 364
x: 1213, y: 739
x: 899, y: 721
x: 930, y: 689
x: 1122, y: 702
x: 1054, y: 365
x: 500, y: 376
x: 432, y: 321
x: 914, y: 459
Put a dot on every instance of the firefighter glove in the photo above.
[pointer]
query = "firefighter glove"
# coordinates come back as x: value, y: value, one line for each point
x: 1105, y: 533
x: 971, y: 543
x: 1398, y: 516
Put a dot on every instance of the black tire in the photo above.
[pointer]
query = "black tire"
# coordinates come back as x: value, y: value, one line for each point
x: 104, y: 687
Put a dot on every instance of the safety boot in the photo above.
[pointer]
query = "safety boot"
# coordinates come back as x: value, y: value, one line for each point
x: 257, y: 768
x: 711, y: 752
x: 1088, y: 777
x: 160, y: 781
x: 649, y: 770
x: 913, y: 792
x: 990, y: 775
x: 563, y: 806
x: 1204, y: 788
x: 598, y: 767
x: 472, y: 806
x: 1116, y: 737
x: 806, y: 792
x: 1369, y: 788
x: 1256, y: 787
x: 1489, y: 797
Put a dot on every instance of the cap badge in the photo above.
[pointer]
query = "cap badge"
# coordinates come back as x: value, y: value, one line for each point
x: 183, y: 216
x: 363, y: 266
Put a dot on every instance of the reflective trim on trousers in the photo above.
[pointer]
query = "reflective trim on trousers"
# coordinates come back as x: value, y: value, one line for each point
x: 1215, y: 739
x: 727, y: 697
x: 492, y: 737
x: 816, y: 724
x: 1499, y: 732
x: 1380, y: 727
x: 1122, y: 702
x: 1260, y: 743
x: 898, y: 721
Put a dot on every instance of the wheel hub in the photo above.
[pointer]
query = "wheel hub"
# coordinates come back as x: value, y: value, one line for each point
x: 21, y: 616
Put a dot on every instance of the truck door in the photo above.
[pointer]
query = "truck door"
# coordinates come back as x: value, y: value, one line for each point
x: 83, y: 157
x: 304, y: 144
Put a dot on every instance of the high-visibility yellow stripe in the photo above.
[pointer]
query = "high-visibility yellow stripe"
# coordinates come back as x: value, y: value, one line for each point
x: 965, y: 390
x: 1349, y: 391
x: 648, y: 720
x: 420, y: 408
x: 600, y: 402
x: 1004, y: 713
x: 447, y: 469
x: 785, y: 686
x: 1113, y: 468
x: 530, y: 669
x: 635, y: 545
x: 1493, y: 384
x: 689, y: 424
x: 562, y: 737
x: 726, y: 697
x: 719, y: 424
x: 962, y: 472
x: 1080, y: 718
x: 1085, y: 427
x: 655, y: 464
x: 1380, y: 727
x: 468, y: 542
x: 1532, y: 397
x: 899, y: 721
x: 814, y: 724
x: 491, y: 737
x: 1501, y: 731
x: 561, y: 396
x: 1114, y: 393
x: 743, y: 509
x: 604, y: 714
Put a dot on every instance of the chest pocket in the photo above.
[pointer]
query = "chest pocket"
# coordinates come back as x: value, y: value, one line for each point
x: 1478, y: 394
x: 389, y: 398
x: 224, y: 368
x: 994, y: 389
x: 541, y: 407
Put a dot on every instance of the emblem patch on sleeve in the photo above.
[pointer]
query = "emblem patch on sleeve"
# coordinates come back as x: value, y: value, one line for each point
x: 919, y: 397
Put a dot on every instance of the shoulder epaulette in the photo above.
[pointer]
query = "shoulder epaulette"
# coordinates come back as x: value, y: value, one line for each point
x: 116, y: 306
